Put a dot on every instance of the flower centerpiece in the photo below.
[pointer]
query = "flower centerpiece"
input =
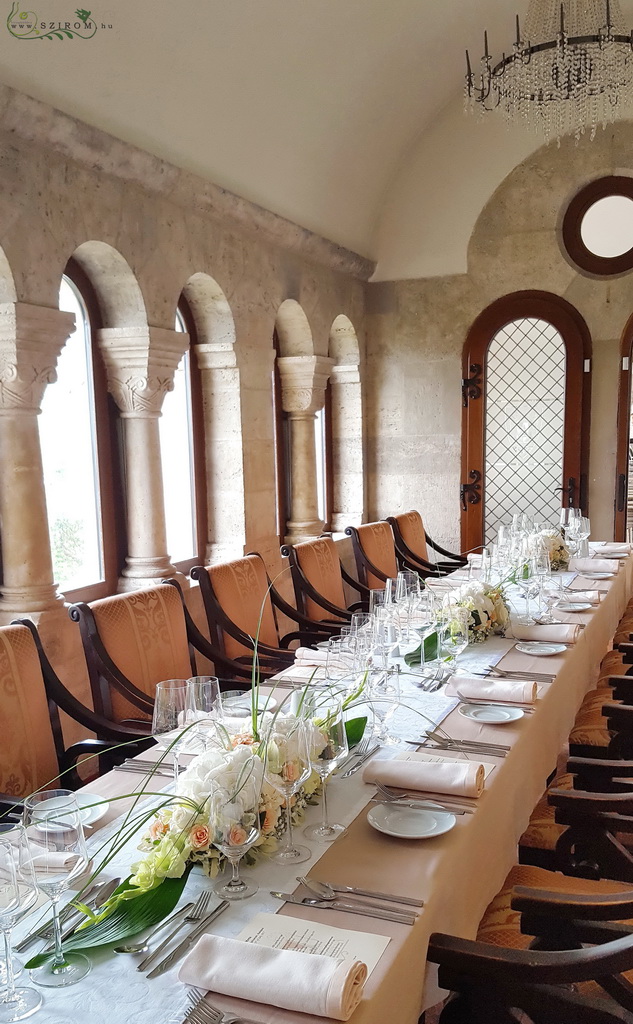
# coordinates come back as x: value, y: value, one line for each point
x: 486, y: 603
x: 552, y: 541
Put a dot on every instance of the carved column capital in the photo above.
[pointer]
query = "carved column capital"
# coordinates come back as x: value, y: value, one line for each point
x: 31, y: 339
x: 303, y: 382
x: 140, y: 363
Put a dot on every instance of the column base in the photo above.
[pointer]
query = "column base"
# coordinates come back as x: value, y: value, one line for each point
x: 148, y: 572
x: 300, y: 531
x: 216, y: 553
x: 28, y: 602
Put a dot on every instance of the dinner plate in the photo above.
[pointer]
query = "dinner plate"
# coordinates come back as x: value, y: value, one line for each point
x: 91, y: 808
x: 410, y: 822
x: 323, y: 645
x: 539, y: 649
x: 598, y: 575
x: 491, y: 714
x: 614, y: 554
x: 574, y: 606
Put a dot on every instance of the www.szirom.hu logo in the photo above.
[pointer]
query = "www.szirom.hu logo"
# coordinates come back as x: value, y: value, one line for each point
x: 27, y: 25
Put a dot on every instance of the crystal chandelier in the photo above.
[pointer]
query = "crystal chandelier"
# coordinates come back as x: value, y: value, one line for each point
x: 571, y: 68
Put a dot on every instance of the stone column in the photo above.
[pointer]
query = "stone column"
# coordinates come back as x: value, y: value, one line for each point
x: 140, y: 364
x: 31, y: 339
x: 224, y: 466
x: 348, y: 502
x: 303, y: 383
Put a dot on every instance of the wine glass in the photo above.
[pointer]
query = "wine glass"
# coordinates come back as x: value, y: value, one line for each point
x: 527, y: 581
x: 234, y: 818
x: 57, y: 848
x: 326, y: 713
x: 18, y: 895
x: 201, y: 695
x: 341, y: 658
x: 169, y: 716
x: 454, y: 623
x: 542, y: 569
x: 384, y: 691
x: 287, y: 768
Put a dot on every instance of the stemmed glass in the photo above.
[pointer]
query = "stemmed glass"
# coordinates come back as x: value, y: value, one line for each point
x: 326, y: 713
x: 528, y: 583
x: 287, y: 768
x: 18, y: 895
x: 170, y: 705
x: 542, y: 570
x: 234, y: 817
x: 454, y: 623
x: 57, y: 848
x: 200, y: 697
x: 384, y: 691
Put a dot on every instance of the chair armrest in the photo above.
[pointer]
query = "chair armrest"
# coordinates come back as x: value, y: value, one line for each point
x: 616, y: 906
x: 592, y: 773
x: 452, y: 555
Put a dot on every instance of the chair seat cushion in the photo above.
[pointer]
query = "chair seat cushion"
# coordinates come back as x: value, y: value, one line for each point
x: 500, y: 925
x: 590, y: 727
x: 543, y: 832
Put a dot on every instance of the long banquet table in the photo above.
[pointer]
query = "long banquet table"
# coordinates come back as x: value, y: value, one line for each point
x: 456, y: 874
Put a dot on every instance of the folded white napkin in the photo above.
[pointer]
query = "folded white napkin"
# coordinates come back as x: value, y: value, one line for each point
x: 302, y: 673
x: 583, y: 596
x: 459, y: 778
x: 593, y: 565
x: 40, y: 860
x: 614, y: 545
x: 491, y: 689
x: 305, y: 982
x: 304, y: 656
x: 556, y: 634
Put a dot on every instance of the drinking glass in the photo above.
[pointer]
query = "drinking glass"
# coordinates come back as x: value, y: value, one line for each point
x: 384, y: 692
x: 360, y: 622
x: 170, y: 705
x: 200, y: 697
x: 326, y: 713
x: 18, y: 895
x: 234, y: 818
x: 341, y: 658
x: 58, y: 850
x: 542, y: 569
x: 234, y: 710
x: 584, y: 532
x: 454, y: 623
x: 287, y: 768
x: 528, y: 582
x: 383, y: 597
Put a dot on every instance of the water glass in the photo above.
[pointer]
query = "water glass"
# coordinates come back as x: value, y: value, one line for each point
x: 200, y: 697
x: 18, y: 895
x: 169, y: 716
x: 326, y: 715
x: 287, y: 768
x: 454, y: 623
x: 234, y: 820
x: 57, y: 846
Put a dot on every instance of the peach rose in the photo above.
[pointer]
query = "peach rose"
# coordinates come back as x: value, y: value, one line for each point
x: 199, y: 837
x: 290, y: 771
x: 270, y: 819
x: 237, y: 835
x: 158, y: 829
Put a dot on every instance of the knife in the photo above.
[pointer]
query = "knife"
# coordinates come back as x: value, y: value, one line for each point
x: 194, y: 934
x: 78, y: 917
x: 346, y: 908
x: 144, y: 964
x: 419, y: 805
x: 361, y: 761
x: 377, y: 895
x: 67, y: 912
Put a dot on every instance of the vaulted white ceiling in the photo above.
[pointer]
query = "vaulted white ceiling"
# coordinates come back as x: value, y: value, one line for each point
x: 307, y: 107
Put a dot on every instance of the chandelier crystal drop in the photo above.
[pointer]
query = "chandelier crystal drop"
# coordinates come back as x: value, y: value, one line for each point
x: 570, y: 69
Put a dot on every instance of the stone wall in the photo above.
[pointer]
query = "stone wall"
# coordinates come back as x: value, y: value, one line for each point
x: 416, y: 332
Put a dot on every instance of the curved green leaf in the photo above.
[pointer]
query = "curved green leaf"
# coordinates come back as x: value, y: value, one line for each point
x: 355, y: 728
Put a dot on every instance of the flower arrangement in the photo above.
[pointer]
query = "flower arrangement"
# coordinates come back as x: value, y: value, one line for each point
x: 552, y: 541
x: 489, y: 612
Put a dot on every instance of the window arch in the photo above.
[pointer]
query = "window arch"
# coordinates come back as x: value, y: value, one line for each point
x: 79, y: 448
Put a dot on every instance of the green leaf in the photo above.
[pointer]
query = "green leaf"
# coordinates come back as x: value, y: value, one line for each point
x: 431, y: 651
x: 128, y: 918
x: 355, y: 729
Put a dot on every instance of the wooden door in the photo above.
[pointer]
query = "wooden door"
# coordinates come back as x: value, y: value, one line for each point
x: 525, y: 397
x: 623, y: 504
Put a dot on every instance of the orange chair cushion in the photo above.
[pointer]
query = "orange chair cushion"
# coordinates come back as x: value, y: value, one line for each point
x: 412, y: 529
x: 543, y: 832
x: 590, y: 727
x: 241, y: 589
x: 376, y: 540
x: 145, y: 634
x: 500, y: 925
x: 320, y: 565
x: 28, y: 759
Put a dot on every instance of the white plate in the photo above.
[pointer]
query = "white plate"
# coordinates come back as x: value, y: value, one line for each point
x: 91, y: 807
x: 410, y: 823
x: 613, y: 554
x: 539, y: 649
x: 574, y: 606
x: 492, y: 714
x: 598, y: 575
x: 323, y: 645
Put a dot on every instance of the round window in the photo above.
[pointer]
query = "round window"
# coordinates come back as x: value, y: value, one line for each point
x: 598, y: 227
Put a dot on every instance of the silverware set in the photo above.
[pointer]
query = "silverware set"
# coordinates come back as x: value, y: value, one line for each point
x: 347, y: 907
x: 527, y: 709
x: 194, y: 914
x: 359, y: 761
x: 537, y: 677
x: 389, y: 796
x: 441, y: 742
x: 70, y: 916
x: 202, y: 1012
x: 137, y: 766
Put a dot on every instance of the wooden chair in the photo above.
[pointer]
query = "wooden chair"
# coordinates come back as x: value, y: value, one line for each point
x: 375, y: 554
x: 32, y: 752
x: 240, y: 603
x: 412, y: 544
x: 132, y: 642
x: 555, y: 948
x: 317, y: 578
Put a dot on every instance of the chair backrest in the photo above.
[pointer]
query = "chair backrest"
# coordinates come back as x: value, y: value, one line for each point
x: 145, y: 635
x: 412, y: 531
x: 319, y: 563
x: 376, y: 540
x: 241, y: 589
x: 28, y: 759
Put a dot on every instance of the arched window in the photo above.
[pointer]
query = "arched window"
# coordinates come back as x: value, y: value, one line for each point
x: 75, y: 438
x: 182, y: 456
x: 323, y: 445
x: 281, y: 442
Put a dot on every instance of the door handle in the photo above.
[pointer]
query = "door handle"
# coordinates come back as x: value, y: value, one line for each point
x: 471, y: 492
x: 570, y: 491
x: 621, y: 492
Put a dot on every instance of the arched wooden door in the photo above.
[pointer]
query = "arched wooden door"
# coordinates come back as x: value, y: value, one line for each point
x: 624, y: 458
x: 526, y: 393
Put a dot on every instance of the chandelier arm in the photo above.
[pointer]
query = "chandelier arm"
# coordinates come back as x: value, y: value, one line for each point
x: 526, y: 54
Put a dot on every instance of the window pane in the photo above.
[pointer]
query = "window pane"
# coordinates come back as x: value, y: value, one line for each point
x: 319, y: 438
x: 69, y: 452
x: 176, y: 443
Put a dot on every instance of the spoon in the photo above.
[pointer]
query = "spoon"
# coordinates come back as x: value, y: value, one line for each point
x: 143, y: 945
x: 325, y: 892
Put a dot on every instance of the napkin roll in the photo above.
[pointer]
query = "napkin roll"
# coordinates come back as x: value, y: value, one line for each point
x: 556, y: 634
x: 593, y: 565
x: 304, y: 982
x: 491, y: 689
x: 304, y: 656
x: 583, y: 596
x: 457, y: 778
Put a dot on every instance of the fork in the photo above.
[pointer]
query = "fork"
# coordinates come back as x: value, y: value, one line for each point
x: 388, y: 796
x: 486, y: 701
x: 360, y: 749
x: 197, y: 911
x: 202, y: 1012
